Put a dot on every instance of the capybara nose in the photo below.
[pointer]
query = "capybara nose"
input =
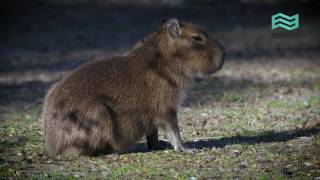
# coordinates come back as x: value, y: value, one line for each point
x: 221, y: 60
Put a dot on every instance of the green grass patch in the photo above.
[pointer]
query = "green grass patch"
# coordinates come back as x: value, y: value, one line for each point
x: 275, y: 104
x: 316, y: 87
x: 232, y: 98
x: 53, y: 176
x: 314, y: 101
x: 235, y: 112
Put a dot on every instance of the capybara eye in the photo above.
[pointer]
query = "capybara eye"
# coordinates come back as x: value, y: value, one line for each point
x: 197, y: 38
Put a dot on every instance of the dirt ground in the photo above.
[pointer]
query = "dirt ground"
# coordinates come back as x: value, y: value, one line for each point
x: 256, y: 118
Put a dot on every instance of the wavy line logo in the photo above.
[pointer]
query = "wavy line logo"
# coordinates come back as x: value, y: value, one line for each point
x: 286, y: 22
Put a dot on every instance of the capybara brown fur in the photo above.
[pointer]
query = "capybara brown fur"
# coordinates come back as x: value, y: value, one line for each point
x: 108, y: 105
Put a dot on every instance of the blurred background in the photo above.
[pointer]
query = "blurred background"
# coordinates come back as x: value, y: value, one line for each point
x: 41, y: 40
x: 256, y: 118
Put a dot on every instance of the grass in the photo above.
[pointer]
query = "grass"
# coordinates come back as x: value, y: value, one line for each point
x: 255, y: 132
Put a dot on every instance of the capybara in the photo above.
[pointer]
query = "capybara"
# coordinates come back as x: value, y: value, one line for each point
x: 108, y: 105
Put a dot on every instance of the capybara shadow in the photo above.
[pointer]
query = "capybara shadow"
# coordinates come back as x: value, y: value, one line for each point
x: 263, y: 137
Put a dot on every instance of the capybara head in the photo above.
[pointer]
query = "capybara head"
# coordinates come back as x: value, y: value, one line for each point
x: 198, y: 51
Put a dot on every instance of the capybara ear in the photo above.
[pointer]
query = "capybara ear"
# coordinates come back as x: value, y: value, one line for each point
x: 173, y: 27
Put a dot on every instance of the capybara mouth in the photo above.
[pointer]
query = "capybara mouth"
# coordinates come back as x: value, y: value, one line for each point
x: 213, y: 68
